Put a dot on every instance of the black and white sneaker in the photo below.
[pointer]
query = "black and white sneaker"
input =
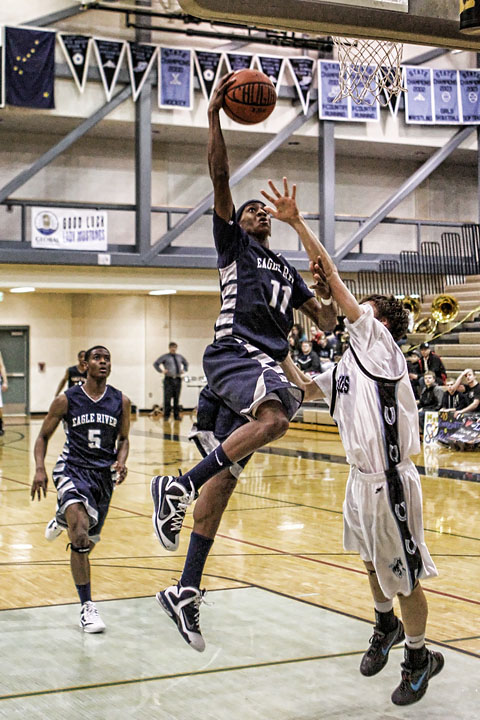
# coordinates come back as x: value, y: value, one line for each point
x: 53, y: 530
x: 182, y: 605
x: 414, y: 683
x: 170, y: 502
x: 90, y: 620
x: 381, y: 643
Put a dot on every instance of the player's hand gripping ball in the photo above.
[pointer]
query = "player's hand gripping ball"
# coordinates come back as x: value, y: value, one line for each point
x: 250, y: 98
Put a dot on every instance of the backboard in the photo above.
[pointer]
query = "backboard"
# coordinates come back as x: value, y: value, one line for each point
x: 423, y: 22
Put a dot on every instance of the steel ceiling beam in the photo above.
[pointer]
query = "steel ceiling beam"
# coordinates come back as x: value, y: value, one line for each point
x: 64, y: 144
x: 52, y: 18
x: 253, y: 161
x: 408, y: 186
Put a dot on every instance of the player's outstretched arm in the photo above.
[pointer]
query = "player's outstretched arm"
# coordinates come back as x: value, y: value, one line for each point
x: 298, y: 378
x: 217, y: 152
x: 56, y: 412
x: 123, y: 442
x: 323, y: 268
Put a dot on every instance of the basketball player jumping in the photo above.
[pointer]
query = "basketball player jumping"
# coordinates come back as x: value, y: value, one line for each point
x: 372, y: 402
x: 249, y: 401
x: 97, y: 420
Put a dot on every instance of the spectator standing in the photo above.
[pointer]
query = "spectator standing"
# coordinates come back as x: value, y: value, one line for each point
x: 431, y: 398
x: 3, y: 387
x: 172, y: 365
x: 430, y: 361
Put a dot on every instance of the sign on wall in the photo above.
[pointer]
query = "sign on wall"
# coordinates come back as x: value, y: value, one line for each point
x: 69, y: 229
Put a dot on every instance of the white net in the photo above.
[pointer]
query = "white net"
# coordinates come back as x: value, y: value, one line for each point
x: 370, y: 70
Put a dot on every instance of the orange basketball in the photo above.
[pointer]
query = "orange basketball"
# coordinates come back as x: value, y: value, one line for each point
x: 251, y: 98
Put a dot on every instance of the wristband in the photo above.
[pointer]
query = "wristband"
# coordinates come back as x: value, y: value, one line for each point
x: 326, y: 301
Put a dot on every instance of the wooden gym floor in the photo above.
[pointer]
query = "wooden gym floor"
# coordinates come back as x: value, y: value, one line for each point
x: 291, y: 612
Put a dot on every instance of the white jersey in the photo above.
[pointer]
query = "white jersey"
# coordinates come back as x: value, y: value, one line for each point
x: 371, y: 398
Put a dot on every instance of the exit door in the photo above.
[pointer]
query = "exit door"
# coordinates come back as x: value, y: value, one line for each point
x: 14, y: 349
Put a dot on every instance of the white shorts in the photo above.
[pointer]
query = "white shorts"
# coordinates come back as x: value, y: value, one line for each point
x: 1, y: 398
x: 383, y: 521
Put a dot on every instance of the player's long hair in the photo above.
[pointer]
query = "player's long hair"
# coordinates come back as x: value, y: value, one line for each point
x: 391, y: 310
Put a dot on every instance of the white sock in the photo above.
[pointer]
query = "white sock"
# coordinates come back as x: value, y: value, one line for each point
x: 415, y: 642
x: 383, y: 606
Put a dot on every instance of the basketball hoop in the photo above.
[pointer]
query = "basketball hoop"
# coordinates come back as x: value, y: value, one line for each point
x: 369, y: 70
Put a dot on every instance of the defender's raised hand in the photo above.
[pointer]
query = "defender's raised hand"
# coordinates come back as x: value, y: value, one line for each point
x: 284, y: 206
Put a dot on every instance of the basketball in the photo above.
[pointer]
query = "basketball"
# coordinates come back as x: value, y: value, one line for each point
x: 251, y: 98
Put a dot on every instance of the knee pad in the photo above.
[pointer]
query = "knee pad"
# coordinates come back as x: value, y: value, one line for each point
x: 80, y: 550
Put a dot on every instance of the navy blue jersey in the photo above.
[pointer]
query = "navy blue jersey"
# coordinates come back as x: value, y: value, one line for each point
x: 91, y: 427
x: 259, y: 290
x: 75, y: 377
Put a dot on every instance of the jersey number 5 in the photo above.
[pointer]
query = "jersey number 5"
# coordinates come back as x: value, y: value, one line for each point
x: 94, y: 438
x: 287, y: 293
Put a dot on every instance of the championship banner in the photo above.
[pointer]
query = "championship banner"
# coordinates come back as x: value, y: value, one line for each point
x: 208, y: 67
x: 462, y: 433
x: 237, y: 61
x: 272, y: 67
x: 29, y: 67
x: 368, y: 111
x: 302, y: 70
x: 69, y: 229
x: 445, y: 97
x: 77, y: 52
x: 109, y: 56
x: 140, y: 61
x: 469, y: 96
x: 328, y: 89
x: 175, y: 78
x: 418, y: 98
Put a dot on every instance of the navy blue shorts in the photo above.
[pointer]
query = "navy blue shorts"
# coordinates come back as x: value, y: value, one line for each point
x: 242, y: 376
x: 93, y: 487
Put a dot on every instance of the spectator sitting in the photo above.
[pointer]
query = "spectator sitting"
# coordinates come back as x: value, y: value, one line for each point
x: 293, y: 349
x: 431, y: 362
x: 451, y: 396
x: 325, y: 353
x: 308, y: 360
x: 414, y: 371
x: 431, y: 398
x: 470, y: 399
x: 298, y: 333
x: 315, y: 335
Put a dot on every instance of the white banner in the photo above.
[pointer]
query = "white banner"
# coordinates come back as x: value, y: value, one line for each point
x: 69, y: 229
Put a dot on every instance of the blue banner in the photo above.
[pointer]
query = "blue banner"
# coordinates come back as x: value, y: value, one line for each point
x: 272, y: 67
x: 175, y: 78
x: 368, y: 111
x: 208, y: 68
x: 29, y: 67
x: 328, y: 88
x: 418, y: 98
x: 140, y: 61
x: 445, y: 97
x: 238, y: 61
x: 302, y: 71
x: 469, y: 96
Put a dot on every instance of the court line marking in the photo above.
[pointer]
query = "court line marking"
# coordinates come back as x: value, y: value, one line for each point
x: 173, y: 676
x: 262, y: 497
x: 302, y: 556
